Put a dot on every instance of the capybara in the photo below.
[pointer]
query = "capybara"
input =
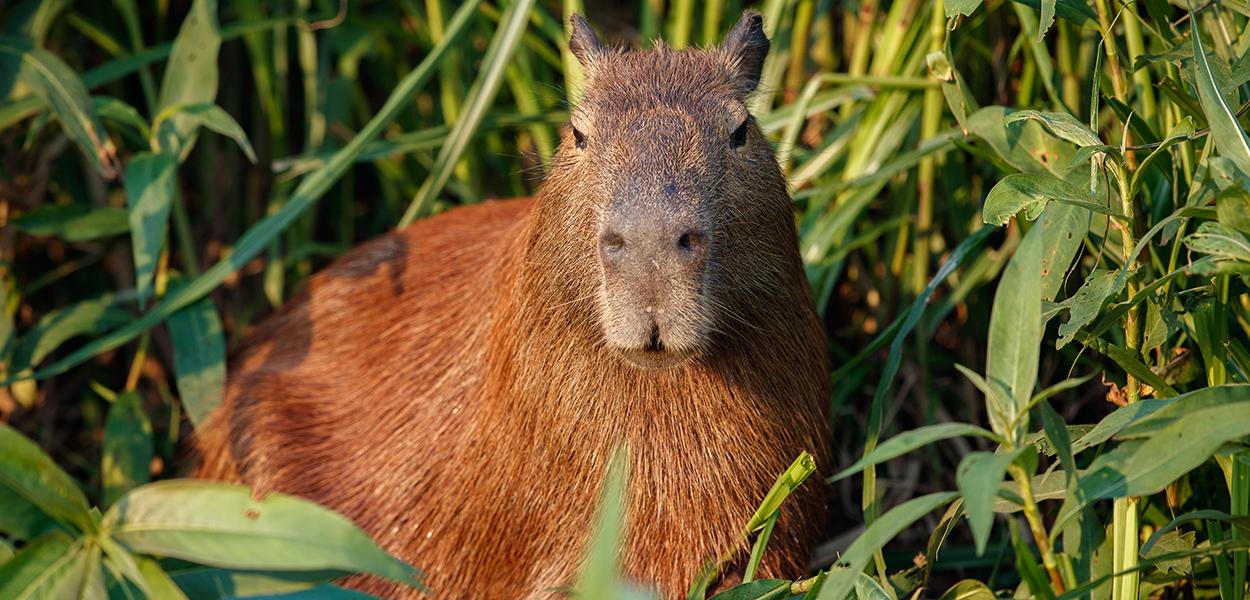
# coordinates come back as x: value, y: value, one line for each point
x: 457, y: 387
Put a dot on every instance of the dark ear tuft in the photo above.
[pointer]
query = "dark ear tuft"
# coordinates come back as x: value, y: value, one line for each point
x: 583, y: 42
x: 744, y: 50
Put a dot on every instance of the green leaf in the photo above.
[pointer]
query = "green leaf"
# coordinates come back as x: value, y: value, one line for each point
x: 969, y: 589
x: 159, y: 582
x: 320, y: 592
x: 786, y: 483
x: 760, y: 589
x: 55, y: 328
x: 150, y: 189
x: 199, y: 358
x: 1016, y: 329
x: 1031, y: 193
x: 1229, y: 138
x: 222, y: 525
x: 1233, y: 208
x: 1118, y: 420
x: 191, y: 73
x: 211, y: 583
x: 1168, y: 543
x: 1180, y: 132
x: 842, y: 581
x: 59, y: 87
x: 910, y: 440
x: 73, y: 222
x: 1046, y: 20
x: 481, y: 95
x: 979, y: 477
x: 310, y: 189
x: 998, y: 406
x: 1025, y: 145
x: 1061, y: 124
x: 53, y: 566
x: 1088, y: 301
x: 127, y: 447
x: 1129, y: 361
x: 956, y: 8
x: 194, y: 116
x: 600, y: 572
x: 1219, y: 240
x: 1152, y: 421
x: 1241, y: 523
x: 27, y: 472
x: 1143, y: 467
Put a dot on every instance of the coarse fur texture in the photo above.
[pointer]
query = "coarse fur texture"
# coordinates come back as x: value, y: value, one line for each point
x: 452, y: 387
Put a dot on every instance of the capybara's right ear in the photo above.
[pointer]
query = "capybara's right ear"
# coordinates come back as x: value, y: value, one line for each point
x: 745, y: 49
x: 583, y: 42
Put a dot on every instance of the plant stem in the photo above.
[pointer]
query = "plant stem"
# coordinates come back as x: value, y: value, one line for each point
x: 1037, y: 527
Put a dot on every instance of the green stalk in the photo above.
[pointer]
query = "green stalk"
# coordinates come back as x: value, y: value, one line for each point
x: 1036, y: 526
x: 1142, y: 84
x: 712, y: 11
x: 1124, y: 539
x: 681, y: 13
x: 797, y: 71
x: 573, y: 75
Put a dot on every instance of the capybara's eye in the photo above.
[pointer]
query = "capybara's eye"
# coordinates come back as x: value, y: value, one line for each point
x: 739, y: 136
x: 579, y: 138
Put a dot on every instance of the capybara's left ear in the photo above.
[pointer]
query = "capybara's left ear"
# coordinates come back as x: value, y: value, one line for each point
x: 583, y: 42
x: 744, y: 50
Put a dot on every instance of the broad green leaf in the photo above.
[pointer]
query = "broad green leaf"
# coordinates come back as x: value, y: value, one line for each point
x: 191, y: 74
x: 1087, y: 303
x: 118, y: 112
x: 1144, y: 425
x: 1241, y: 523
x: 1024, y: 145
x: 1167, y: 544
x: 1118, y: 420
x: 1061, y: 124
x: 310, y: 189
x: 32, y: 19
x: 841, y: 581
x: 1063, y: 229
x: 969, y: 589
x: 1227, y: 133
x: 1016, y: 329
x: 73, y: 222
x: 127, y: 448
x: 1031, y: 193
x: 51, y: 567
x: 955, y: 8
x: 199, y: 358
x: 55, y: 328
x: 27, y: 472
x: 150, y: 188
x: 910, y: 440
x: 786, y: 483
x: 600, y: 575
x: 221, y: 525
x: 1219, y: 240
x: 1233, y: 208
x: 59, y: 87
x: 998, y: 405
x: 6, y: 551
x: 22, y: 520
x: 760, y: 589
x: 209, y: 583
x: 1057, y: 432
x: 320, y: 592
x: 481, y: 95
x: 1076, y: 11
x: 196, y: 115
x: 1143, y: 467
x: 979, y: 477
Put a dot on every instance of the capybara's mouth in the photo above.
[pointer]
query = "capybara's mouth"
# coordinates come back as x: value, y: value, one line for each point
x: 656, y: 357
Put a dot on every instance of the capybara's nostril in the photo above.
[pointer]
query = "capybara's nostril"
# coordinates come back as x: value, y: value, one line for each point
x: 691, y: 241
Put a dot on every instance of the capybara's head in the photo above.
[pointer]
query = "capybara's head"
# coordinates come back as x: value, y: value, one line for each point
x: 675, y: 179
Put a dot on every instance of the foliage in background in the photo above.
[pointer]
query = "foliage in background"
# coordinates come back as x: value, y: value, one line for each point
x: 1059, y: 186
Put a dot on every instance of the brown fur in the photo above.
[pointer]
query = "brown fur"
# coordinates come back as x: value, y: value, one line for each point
x: 449, y: 388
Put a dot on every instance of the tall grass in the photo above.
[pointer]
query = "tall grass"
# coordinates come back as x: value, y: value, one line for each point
x: 1025, y: 224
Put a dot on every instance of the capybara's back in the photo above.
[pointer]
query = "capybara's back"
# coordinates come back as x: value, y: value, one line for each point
x: 457, y: 387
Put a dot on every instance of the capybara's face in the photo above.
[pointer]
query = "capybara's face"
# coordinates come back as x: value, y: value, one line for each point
x: 663, y: 145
